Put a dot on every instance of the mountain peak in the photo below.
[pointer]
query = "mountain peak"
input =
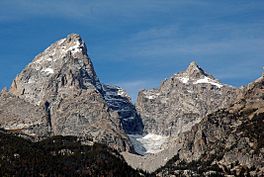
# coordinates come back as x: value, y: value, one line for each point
x: 193, y: 64
x: 195, y: 70
x: 73, y: 43
x: 74, y: 36
x: 67, y: 61
x: 75, y: 39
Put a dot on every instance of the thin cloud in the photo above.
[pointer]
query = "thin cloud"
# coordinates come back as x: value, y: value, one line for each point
x: 90, y: 10
x: 244, y: 71
x: 23, y: 9
x: 169, y: 42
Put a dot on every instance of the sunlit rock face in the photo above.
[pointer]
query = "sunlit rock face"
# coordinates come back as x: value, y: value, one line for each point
x: 19, y: 116
x: 63, y: 68
x: 62, y: 80
x: 182, y: 101
x: 226, y: 142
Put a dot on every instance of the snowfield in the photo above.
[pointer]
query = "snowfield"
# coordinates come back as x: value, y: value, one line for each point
x: 208, y: 80
x: 148, y: 144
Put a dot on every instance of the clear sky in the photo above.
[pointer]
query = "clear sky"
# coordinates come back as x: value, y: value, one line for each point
x: 138, y: 43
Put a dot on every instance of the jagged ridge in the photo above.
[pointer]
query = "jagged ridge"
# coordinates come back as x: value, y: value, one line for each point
x: 226, y: 142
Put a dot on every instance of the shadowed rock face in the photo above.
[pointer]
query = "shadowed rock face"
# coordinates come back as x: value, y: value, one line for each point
x: 228, y: 141
x: 62, y: 81
x: 118, y: 100
x: 182, y: 101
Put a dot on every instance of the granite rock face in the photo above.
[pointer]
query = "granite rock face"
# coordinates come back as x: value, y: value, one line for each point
x: 182, y: 101
x: 62, y: 80
x: 226, y: 142
x: 18, y: 116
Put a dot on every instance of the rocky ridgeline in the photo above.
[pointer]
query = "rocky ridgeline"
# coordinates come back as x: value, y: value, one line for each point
x: 226, y: 142
x: 182, y: 101
x: 62, y: 82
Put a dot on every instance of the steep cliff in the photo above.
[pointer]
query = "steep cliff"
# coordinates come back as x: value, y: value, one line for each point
x: 118, y: 100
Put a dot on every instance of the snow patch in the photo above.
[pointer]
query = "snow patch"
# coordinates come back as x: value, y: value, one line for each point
x: 49, y: 59
x: 122, y: 93
x: 184, y: 79
x: 149, y: 144
x: 151, y: 95
x: 48, y: 71
x: 208, y: 80
x: 112, y: 92
x: 61, y: 41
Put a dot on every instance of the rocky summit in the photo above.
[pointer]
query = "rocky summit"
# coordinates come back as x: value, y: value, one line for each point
x: 62, y: 81
x: 182, y: 101
x: 62, y: 69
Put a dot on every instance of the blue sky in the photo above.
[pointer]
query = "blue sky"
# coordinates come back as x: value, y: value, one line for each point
x: 137, y: 44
